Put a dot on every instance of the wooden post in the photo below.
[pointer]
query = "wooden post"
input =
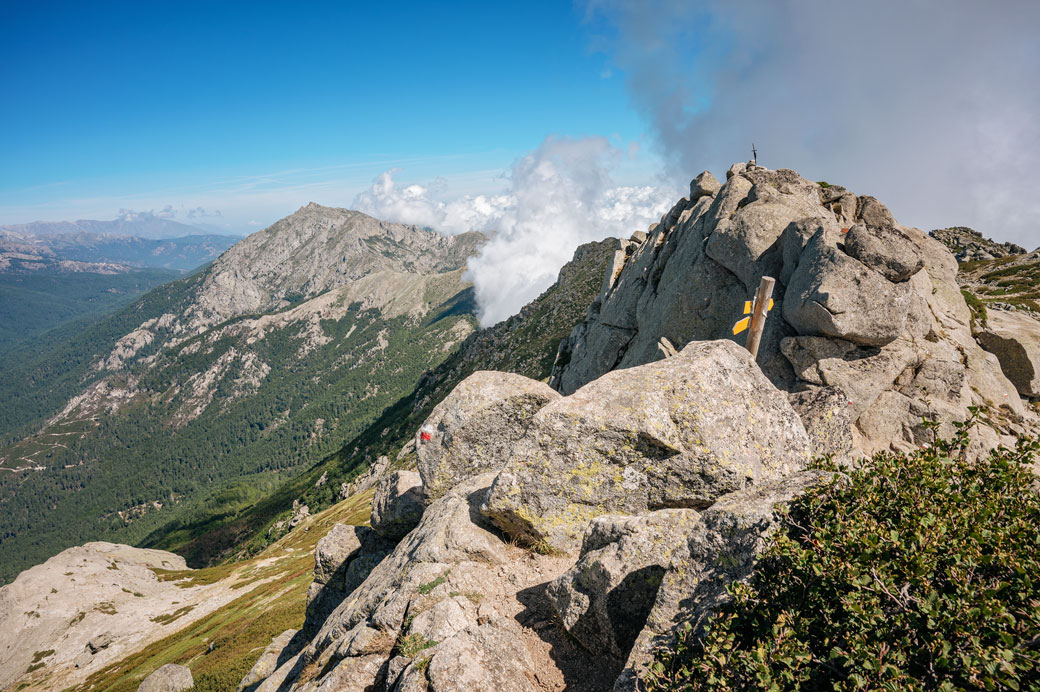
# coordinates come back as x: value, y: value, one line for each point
x: 758, y: 317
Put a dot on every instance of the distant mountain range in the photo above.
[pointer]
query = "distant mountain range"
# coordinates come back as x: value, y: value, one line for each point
x: 103, y: 253
x: 132, y: 224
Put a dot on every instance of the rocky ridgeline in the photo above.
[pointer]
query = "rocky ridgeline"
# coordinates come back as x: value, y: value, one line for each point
x: 551, y: 542
x: 866, y: 310
x: 553, y: 537
x: 968, y: 245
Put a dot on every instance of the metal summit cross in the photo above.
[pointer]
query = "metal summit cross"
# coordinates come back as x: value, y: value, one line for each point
x: 754, y: 154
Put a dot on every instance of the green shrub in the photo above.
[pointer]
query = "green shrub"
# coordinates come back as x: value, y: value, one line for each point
x: 913, y: 572
x: 977, y: 308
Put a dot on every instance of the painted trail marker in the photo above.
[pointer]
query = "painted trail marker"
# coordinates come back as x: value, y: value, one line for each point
x: 756, y: 310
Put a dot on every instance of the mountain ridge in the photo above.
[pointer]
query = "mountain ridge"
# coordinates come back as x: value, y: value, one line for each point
x: 259, y: 363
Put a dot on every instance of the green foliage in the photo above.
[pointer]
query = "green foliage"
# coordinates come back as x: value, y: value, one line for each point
x: 430, y: 586
x: 411, y: 645
x: 977, y: 308
x: 913, y: 572
x: 823, y: 183
x: 40, y: 655
x: 172, y: 617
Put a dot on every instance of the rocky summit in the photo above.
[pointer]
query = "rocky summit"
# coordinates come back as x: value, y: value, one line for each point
x: 601, y: 511
x: 863, y: 305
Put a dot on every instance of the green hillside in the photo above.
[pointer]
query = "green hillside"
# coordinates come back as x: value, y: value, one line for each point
x: 32, y: 303
x: 525, y: 344
x: 236, y: 449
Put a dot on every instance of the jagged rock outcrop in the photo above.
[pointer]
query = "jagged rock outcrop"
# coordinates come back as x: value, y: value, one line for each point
x: 969, y: 245
x: 168, y: 678
x: 473, y: 429
x: 343, y: 558
x: 604, y: 599
x: 457, y: 604
x: 268, y: 662
x: 862, y: 304
x: 675, y: 433
x: 398, y: 504
x: 1014, y: 337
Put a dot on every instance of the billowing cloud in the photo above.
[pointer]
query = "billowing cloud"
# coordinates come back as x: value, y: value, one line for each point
x: 559, y: 196
x: 414, y: 204
x: 927, y: 105
x: 564, y: 197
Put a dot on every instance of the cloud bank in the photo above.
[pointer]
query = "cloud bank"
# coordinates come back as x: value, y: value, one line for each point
x: 559, y: 196
x: 929, y: 105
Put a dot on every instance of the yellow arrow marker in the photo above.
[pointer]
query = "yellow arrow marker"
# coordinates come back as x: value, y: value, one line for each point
x: 770, y: 305
x: 747, y: 307
x: 741, y: 325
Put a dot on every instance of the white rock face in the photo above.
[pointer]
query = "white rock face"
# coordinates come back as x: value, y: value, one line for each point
x: 1014, y: 337
x: 90, y: 606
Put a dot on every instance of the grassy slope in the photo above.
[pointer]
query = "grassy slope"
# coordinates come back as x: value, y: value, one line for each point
x: 241, y: 630
x: 1014, y: 280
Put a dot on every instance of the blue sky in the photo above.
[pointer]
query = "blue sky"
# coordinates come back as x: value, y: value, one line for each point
x: 254, y: 109
x: 227, y: 105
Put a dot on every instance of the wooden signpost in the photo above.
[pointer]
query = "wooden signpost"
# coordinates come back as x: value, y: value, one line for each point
x: 757, y: 309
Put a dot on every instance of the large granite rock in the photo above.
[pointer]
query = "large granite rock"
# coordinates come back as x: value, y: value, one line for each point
x: 1014, y: 338
x: 676, y: 433
x: 825, y: 413
x: 168, y: 678
x: 343, y: 559
x: 603, y: 601
x: 334, y: 551
x: 472, y: 430
x: 268, y: 662
x: 718, y: 549
x: 886, y: 249
x: 833, y: 294
x: 398, y: 504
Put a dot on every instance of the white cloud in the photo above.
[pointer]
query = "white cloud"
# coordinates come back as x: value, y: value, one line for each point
x: 927, y: 105
x: 564, y: 197
x: 559, y: 196
x: 413, y: 204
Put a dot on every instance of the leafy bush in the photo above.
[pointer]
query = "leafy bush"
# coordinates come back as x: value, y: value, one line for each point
x: 912, y: 572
